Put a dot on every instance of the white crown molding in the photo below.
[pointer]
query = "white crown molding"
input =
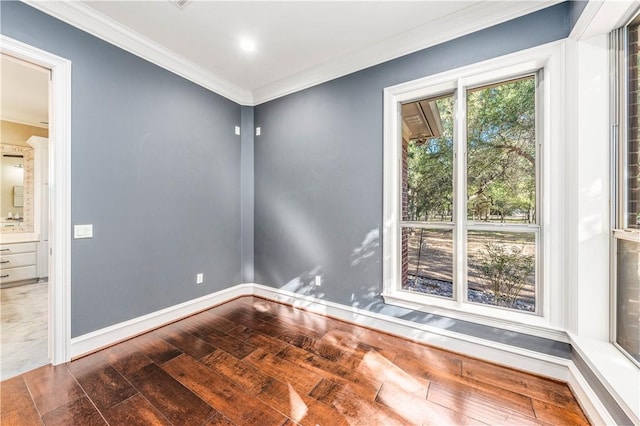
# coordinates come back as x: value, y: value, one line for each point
x: 480, y: 16
x: 10, y: 119
x: 89, y: 20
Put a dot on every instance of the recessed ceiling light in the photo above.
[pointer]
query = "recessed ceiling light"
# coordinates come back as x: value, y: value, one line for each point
x: 247, y: 44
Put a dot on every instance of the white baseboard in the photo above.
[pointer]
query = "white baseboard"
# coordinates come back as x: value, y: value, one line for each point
x: 590, y: 403
x: 499, y: 353
x: 91, y: 342
x: 518, y: 358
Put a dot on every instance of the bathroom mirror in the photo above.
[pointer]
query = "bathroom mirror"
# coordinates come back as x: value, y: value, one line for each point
x: 16, y: 192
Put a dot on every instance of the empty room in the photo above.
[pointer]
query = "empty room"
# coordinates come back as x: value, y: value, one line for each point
x: 320, y: 212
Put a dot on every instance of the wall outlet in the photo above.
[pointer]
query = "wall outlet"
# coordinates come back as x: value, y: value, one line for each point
x: 199, y: 278
x: 238, y: 130
x: 318, y: 280
x: 258, y: 131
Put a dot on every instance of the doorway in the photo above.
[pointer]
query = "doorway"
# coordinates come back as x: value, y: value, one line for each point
x: 24, y: 218
x: 59, y: 191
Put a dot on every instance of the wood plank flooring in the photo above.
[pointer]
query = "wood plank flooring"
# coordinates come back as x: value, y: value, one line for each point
x: 256, y: 362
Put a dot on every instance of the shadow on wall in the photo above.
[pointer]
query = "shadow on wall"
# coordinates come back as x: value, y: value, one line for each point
x: 359, y: 285
x: 364, y: 261
x: 305, y: 283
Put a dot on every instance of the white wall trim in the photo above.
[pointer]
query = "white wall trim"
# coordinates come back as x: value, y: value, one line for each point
x: 551, y: 275
x: 584, y: 21
x: 600, y: 17
x: 522, y: 359
x: 96, y: 340
x: 616, y: 372
x: 91, y: 21
x: 506, y: 324
x: 587, y: 398
x: 60, y: 191
x: 483, y: 15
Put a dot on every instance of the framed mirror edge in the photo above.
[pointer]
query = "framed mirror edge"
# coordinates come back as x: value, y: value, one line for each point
x: 27, y: 225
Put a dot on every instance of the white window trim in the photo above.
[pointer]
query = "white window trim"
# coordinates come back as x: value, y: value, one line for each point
x: 550, y: 57
x: 589, y: 213
x: 620, y: 230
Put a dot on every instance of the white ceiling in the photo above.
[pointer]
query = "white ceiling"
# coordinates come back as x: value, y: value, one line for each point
x: 24, y: 92
x: 299, y: 43
x: 291, y: 37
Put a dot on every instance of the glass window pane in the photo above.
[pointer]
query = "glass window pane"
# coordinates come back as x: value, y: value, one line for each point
x: 501, y: 152
x: 633, y: 146
x: 502, y: 269
x: 427, y: 160
x: 628, y: 300
x: 428, y: 262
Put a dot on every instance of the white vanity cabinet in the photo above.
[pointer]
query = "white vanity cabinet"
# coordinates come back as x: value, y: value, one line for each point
x: 18, y: 262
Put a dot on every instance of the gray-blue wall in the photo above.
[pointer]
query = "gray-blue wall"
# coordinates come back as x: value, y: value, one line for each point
x: 155, y: 169
x: 576, y: 7
x: 318, y: 175
x: 170, y: 189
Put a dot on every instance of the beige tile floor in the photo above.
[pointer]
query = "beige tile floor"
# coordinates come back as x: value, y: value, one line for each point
x: 23, y: 328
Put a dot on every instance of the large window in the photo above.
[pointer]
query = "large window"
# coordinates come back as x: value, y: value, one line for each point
x: 464, y: 192
x: 500, y: 224
x: 626, y: 232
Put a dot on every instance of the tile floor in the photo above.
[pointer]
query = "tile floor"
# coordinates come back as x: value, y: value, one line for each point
x: 23, y: 328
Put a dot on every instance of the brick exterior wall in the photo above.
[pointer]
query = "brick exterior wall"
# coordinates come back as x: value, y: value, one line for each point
x: 633, y: 192
x: 405, y: 213
x: 628, y: 282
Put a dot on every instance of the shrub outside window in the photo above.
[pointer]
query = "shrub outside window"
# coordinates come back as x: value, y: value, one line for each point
x: 469, y: 197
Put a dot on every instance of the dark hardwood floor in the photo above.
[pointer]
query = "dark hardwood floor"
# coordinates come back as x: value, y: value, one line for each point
x: 256, y: 362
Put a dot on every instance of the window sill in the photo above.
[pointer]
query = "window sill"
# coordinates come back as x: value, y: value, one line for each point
x: 493, y: 317
x: 617, y: 373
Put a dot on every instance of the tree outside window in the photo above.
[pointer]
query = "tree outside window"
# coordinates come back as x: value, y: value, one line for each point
x: 501, y: 195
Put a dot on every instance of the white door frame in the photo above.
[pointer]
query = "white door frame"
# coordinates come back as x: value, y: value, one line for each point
x: 59, y: 192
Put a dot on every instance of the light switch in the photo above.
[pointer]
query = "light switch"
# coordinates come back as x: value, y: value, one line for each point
x: 82, y: 231
x: 237, y: 130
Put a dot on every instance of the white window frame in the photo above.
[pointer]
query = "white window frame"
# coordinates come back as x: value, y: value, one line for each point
x: 550, y: 59
x: 619, y: 167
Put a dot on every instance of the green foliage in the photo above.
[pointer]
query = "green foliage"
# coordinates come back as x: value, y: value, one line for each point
x: 506, y: 269
x: 430, y: 171
x: 501, y: 152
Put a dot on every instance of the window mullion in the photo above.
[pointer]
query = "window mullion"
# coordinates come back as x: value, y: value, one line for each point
x: 460, y: 193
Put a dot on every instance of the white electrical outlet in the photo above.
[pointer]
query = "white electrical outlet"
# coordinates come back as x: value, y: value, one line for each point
x: 237, y: 130
x: 318, y: 280
x: 258, y: 131
x: 199, y: 278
